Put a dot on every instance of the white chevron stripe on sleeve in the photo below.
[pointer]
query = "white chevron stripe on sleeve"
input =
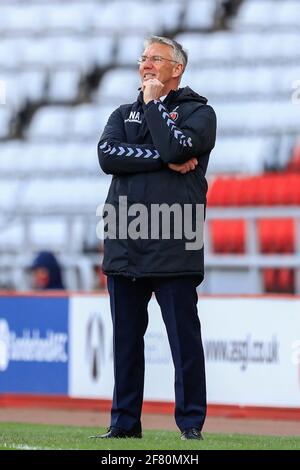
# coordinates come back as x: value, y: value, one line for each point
x: 183, y: 140
x: 148, y: 153
x: 130, y: 152
x: 122, y: 150
x: 103, y: 146
x: 139, y: 153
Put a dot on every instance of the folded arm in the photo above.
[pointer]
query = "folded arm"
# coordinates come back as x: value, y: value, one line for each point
x: 118, y: 157
x: 178, y: 145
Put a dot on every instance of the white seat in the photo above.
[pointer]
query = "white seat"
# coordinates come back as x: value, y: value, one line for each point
x: 62, y: 194
x: 54, y: 51
x: 136, y: 15
x: 240, y: 155
x: 170, y: 14
x: 28, y: 85
x: 229, y: 47
x: 11, y: 235
x: 200, y: 14
x: 129, y: 49
x: 101, y: 49
x: 85, y: 121
x: 77, y: 17
x: 88, y: 121
x: 43, y: 233
x: 64, y: 85
x: 9, y: 54
x: 288, y: 13
x: 9, y: 194
x: 112, y: 86
x: 5, y: 117
x: 47, y: 232
x: 268, y: 14
x: 258, y: 117
x: 256, y: 13
x: 241, y: 80
x: 32, y: 83
x: 19, y: 158
x: 19, y: 18
x: 50, y: 122
x: 72, y: 50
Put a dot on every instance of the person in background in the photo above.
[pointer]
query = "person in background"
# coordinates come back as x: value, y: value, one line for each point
x: 46, y: 272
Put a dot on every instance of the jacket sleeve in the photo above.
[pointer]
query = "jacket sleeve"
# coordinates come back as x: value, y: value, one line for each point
x: 118, y: 157
x: 177, y: 145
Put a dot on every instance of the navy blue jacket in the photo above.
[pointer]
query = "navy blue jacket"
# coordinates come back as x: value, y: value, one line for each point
x: 137, y: 144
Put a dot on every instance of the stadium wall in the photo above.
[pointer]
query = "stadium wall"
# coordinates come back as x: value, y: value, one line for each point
x: 56, y: 351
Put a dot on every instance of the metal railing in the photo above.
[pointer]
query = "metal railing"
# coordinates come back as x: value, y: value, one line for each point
x: 252, y: 262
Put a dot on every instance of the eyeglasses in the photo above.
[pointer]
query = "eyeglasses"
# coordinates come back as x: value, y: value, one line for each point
x: 155, y: 59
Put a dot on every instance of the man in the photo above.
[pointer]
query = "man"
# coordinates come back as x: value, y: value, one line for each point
x: 157, y: 150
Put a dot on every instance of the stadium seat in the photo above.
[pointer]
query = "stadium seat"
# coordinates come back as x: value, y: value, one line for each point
x: 11, y: 236
x: 286, y: 281
x: 112, y: 89
x: 16, y: 19
x: 238, y: 155
x: 5, y: 117
x: 269, y: 280
x: 294, y: 163
x: 281, y: 281
x: 85, y: 121
x: 237, y: 48
x: 259, y: 116
x: 65, y: 65
x: 277, y: 236
x: 268, y: 14
x: 51, y: 122
x: 129, y: 49
x: 266, y: 190
x: 64, y: 194
x: 9, y: 194
x: 244, y: 82
x: 200, y: 14
x: 32, y: 159
x: 228, y: 236
x: 67, y: 17
x: 64, y: 85
x: 274, y: 235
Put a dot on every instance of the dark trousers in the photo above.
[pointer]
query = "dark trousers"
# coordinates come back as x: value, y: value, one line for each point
x: 177, y: 298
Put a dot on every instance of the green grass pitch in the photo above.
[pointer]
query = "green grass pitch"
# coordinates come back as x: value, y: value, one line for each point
x: 44, y: 437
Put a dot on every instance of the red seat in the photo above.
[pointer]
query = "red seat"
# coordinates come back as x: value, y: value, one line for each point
x: 266, y: 190
x: 269, y: 279
x: 286, y: 281
x: 281, y: 281
x: 294, y: 164
x: 276, y: 235
x: 228, y: 236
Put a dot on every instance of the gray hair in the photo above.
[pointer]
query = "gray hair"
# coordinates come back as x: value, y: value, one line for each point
x: 179, y: 54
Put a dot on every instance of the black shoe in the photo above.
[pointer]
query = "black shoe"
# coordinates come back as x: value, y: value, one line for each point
x: 191, y: 433
x: 116, y: 433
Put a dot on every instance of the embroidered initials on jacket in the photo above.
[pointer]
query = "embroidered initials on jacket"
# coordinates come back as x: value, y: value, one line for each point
x: 134, y: 116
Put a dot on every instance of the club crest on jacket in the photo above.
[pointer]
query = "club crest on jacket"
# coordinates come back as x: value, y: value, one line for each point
x: 174, y: 114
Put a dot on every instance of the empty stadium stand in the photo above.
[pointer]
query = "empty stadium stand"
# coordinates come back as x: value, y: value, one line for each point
x: 67, y: 64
